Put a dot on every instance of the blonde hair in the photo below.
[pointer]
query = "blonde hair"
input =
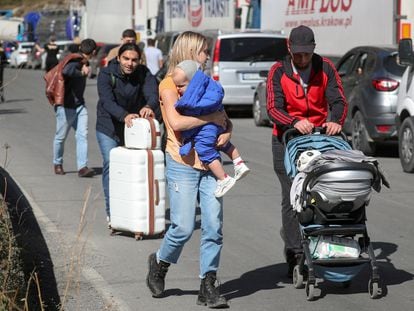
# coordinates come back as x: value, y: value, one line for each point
x: 187, y: 47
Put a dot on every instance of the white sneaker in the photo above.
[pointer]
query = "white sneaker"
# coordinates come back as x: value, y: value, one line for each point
x: 108, y: 220
x: 223, y: 186
x: 241, y: 170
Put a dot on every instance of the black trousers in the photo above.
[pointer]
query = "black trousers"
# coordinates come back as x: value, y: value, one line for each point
x: 290, y: 225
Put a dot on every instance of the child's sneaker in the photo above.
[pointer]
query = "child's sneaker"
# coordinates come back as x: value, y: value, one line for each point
x: 223, y: 186
x: 108, y: 220
x: 240, y: 170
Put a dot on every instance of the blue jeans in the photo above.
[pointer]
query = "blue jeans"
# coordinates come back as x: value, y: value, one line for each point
x: 106, y: 143
x: 184, y: 183
x: 65, y: 119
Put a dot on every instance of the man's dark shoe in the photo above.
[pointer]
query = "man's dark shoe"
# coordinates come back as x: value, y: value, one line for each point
x: 59, y: 169
x: 209, y: 294
x: 156, y: 275
x: 86, y: 172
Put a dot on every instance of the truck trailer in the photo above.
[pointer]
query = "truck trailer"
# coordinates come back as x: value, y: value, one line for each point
x: 104, y: 20
x: 340, y: 25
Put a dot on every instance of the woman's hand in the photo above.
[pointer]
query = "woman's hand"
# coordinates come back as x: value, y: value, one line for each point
x: 146, y: 112
x: 128, y: 119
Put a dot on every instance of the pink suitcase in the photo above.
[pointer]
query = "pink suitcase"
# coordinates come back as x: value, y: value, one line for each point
x: 137, y: 191
x: 144, y: 134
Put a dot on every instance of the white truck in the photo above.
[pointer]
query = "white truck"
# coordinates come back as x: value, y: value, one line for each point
x: 198, y: 15
x: 104, y: 20
x: 11, y: 28
x: 405, y: 108
x: 340, y: 25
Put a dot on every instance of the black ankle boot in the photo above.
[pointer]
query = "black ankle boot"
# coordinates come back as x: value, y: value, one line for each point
x: 156, y: 275
x: 209, y: 294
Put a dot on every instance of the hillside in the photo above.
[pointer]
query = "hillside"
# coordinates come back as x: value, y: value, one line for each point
x: 21, y: 7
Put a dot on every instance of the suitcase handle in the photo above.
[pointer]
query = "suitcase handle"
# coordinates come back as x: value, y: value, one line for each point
x: 157, y: 192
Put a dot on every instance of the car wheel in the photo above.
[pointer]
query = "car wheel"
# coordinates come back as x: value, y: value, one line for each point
x: 257, y: 113
x: 406, y: 145
x: 360, y: 135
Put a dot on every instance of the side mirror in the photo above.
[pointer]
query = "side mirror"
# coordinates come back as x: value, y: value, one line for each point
x: 405, y: 52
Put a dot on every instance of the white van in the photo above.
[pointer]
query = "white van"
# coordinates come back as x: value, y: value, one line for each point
x: 405, y: 107
x: 236, y: 60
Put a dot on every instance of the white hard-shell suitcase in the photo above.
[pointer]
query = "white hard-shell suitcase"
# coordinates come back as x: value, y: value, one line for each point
x: 137, y: 191
x: 144, y: 134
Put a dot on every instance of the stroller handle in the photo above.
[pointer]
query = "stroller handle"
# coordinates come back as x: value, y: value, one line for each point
x: 293, y: 132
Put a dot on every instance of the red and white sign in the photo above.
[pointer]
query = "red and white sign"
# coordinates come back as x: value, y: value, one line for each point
x: 338, y: 24
x: 198, y: 14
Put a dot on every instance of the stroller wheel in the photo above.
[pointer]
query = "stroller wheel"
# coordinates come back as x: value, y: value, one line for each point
x: 373, y: 289
x: 310, y: 291
x: 297, y: 277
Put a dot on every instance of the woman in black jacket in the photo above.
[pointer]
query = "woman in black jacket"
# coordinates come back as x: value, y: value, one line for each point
x: 126, y: 90
x: 52, y: 50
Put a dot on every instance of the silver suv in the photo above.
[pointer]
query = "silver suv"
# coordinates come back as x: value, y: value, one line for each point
x: 405, y: 108
x: 371, y: 77
x: 236, y: 59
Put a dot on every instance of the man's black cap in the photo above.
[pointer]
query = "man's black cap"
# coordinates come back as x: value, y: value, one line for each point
x: 302, y: 40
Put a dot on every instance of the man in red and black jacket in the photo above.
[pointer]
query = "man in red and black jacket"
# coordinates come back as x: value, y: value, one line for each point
x: 301, y: 92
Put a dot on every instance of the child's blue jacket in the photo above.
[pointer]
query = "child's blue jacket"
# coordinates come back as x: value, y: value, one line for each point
x: 203, y: 96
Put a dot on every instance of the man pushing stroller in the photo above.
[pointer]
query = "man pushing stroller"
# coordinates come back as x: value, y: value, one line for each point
x: 301, y: 91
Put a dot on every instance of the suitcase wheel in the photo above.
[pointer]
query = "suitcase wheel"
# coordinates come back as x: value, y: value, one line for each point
x: 139, y: 236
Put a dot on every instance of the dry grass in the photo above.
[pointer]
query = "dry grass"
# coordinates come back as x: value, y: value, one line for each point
x: 12, y: 279
x: 21, y: 286
x: 18, y: 294
x: 20, y: 291
x: 12, y: 283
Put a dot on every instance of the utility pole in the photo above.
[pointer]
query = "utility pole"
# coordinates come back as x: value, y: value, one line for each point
x: 133, y: 14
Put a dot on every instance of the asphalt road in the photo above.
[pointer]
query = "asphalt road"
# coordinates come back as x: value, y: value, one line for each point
x: 96, y: 271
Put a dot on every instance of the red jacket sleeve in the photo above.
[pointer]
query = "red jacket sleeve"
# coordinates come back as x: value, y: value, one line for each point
x: 276, y: 102
x: 334, y: 93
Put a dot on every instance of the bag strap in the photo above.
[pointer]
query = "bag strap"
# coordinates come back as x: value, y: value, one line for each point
x: 153, y: 133
x: 70, y: 57
x: 151, y: 200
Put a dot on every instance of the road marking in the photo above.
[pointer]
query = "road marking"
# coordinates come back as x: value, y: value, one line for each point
x: 90, y: 274
x: 103, y: 288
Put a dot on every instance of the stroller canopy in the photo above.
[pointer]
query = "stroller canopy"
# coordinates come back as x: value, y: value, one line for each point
x: 299, y: 144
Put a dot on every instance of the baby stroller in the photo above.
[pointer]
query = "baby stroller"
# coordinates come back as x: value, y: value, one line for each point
x: 330, y: 194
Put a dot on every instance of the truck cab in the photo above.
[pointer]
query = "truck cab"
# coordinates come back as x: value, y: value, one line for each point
x: 405, y: 107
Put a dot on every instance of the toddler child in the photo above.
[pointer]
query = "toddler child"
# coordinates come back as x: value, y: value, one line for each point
x: 201, y: 95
